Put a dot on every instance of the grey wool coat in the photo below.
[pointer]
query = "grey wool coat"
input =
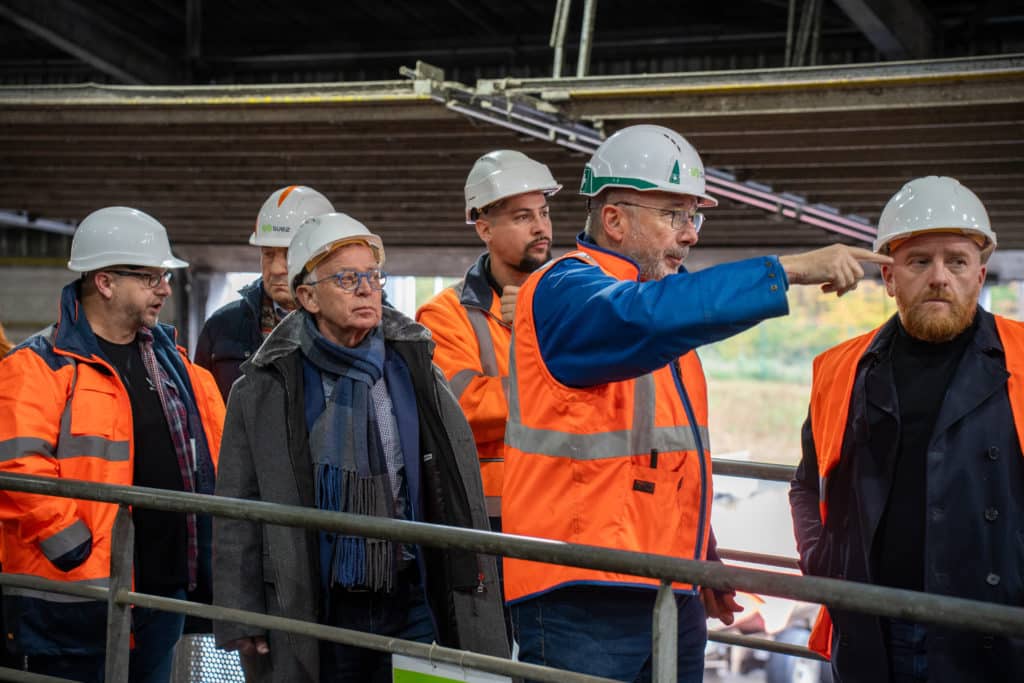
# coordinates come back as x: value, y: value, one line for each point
x: 265, y: 456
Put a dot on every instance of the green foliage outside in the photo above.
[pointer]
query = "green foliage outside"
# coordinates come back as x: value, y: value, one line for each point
x: 759, y: 381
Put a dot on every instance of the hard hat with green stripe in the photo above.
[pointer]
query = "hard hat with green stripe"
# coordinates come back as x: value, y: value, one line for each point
x: 647, y: 158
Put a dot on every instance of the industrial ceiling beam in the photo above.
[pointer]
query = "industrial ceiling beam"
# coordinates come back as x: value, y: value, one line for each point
x: 110, y: 48
x: 899, y: 29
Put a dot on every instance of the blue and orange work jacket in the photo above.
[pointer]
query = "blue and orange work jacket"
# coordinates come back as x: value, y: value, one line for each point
x: 65, y: 413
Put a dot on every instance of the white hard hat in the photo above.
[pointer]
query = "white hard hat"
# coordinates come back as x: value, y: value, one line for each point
x: 320, y: 235
x: 118, y: 235
x: 933, y: 203
x: 283, y: 213
x: 646, y: 158
x: 505, y: 173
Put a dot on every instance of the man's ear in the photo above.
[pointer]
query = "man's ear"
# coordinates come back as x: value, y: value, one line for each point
x: 888, y: 279
x: 614, y: 223
x: 104, y: 284
x: 305, y: 295
x: 484, y: 230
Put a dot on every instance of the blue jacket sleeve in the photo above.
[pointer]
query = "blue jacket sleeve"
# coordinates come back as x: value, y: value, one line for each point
x: 593, y: 329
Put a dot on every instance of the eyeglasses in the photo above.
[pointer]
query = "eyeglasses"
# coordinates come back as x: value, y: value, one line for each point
x: 349, y: 280
x: 681, y: 218
x: 150, y: 280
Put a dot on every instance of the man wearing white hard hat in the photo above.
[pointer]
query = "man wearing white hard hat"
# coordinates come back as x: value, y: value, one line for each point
x: 606, y: 442
x: 236, y: 330
x: 912, y: 474
x: 106, y: 395
x: 471, y: 321
x: 341, y: 409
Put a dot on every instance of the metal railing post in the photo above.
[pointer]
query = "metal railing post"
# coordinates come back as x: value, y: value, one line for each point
x: 119, y: 616
x: 665, y: 635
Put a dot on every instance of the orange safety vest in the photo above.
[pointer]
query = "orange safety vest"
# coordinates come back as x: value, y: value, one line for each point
x: 618, y: 465
x: 472, y: 350
x: 835, y: 372
x: 73, y: 422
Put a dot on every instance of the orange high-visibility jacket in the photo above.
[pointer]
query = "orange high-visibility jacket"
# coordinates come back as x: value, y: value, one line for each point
x: 472, y: 350
x: 618, y: 465
x: 66, y: 414
x: 835, y: 372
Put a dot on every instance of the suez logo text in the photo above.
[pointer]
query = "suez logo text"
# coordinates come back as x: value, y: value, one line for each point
x: 267, y: 227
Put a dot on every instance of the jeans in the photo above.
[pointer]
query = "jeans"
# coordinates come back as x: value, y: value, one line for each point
x: 156, y: 633
x: 403, y: 614
x: 606, y: 631
x: 908, y: 655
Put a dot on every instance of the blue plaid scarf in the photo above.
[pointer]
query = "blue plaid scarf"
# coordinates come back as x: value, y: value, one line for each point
x: 350, y: 470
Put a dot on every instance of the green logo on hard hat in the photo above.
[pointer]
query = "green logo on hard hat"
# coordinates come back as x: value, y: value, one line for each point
x: 266, y: 227
x: 674, y: 177
x: 696, y: 172
x: 588, y: 179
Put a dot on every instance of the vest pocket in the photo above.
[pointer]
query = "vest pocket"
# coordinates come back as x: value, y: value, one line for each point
x: 651, y: 519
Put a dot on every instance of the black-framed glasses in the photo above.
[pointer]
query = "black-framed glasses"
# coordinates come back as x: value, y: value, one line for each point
x: 150, y: 280
x: 681, y: 218
x: 349, y: 280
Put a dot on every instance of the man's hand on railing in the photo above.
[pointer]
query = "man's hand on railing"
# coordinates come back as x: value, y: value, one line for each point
x: 720, y: 605
x: 257, y: 645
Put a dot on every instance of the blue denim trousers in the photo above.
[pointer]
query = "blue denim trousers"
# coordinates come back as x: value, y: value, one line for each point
x: 606, y: 631
x: 402, y: 614
x: 155, y: 632
x: 908, y: 654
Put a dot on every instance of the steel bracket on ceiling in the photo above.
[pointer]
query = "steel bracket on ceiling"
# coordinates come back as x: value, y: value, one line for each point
x: 542, y: 119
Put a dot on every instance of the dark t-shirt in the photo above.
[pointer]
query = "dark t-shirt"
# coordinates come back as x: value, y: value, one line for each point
x: 161, y: 538
x: 922, y: 372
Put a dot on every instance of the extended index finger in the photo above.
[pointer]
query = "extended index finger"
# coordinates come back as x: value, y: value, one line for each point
x: 866, y: 255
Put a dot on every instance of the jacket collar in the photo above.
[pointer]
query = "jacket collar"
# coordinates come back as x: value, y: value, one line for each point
x: 252, y: 295
x: 284, y: 338
x: 74, y: 335
x: 619, y: 266
x: 476, y: 289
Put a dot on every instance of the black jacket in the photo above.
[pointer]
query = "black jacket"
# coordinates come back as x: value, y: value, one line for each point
x: 230, y: 336
x: 974, y: 516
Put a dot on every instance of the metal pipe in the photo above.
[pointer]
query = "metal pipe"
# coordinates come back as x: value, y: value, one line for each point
x: 752, y: 470
x: 929, y: 608
x: 586, y: 37
x: 362, y: 639
x: 790, y: 22
x: 759, y: 558
x: 119, y: 614
x: 7, y: 674
x: 816, y: 33
x: 764, y: 644
x: 558, y: 30
x: 665, y: 636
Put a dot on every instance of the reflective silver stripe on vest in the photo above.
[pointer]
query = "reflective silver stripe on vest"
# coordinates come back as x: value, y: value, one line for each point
x: 23, y: 445
x: 70, y: 446
x: 55, y: 597
x: 65, y: 541
x: 488, y: 359
x: 493, y: 506
x: 460, y: 381
x: 482, y: 330
x: 641, y: 439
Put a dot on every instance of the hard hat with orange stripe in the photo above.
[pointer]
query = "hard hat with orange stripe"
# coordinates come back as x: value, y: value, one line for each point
x: 283, y: 213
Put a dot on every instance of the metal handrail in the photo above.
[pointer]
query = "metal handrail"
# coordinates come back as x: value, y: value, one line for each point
x: 878, y: 600
x: 961, y: 613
